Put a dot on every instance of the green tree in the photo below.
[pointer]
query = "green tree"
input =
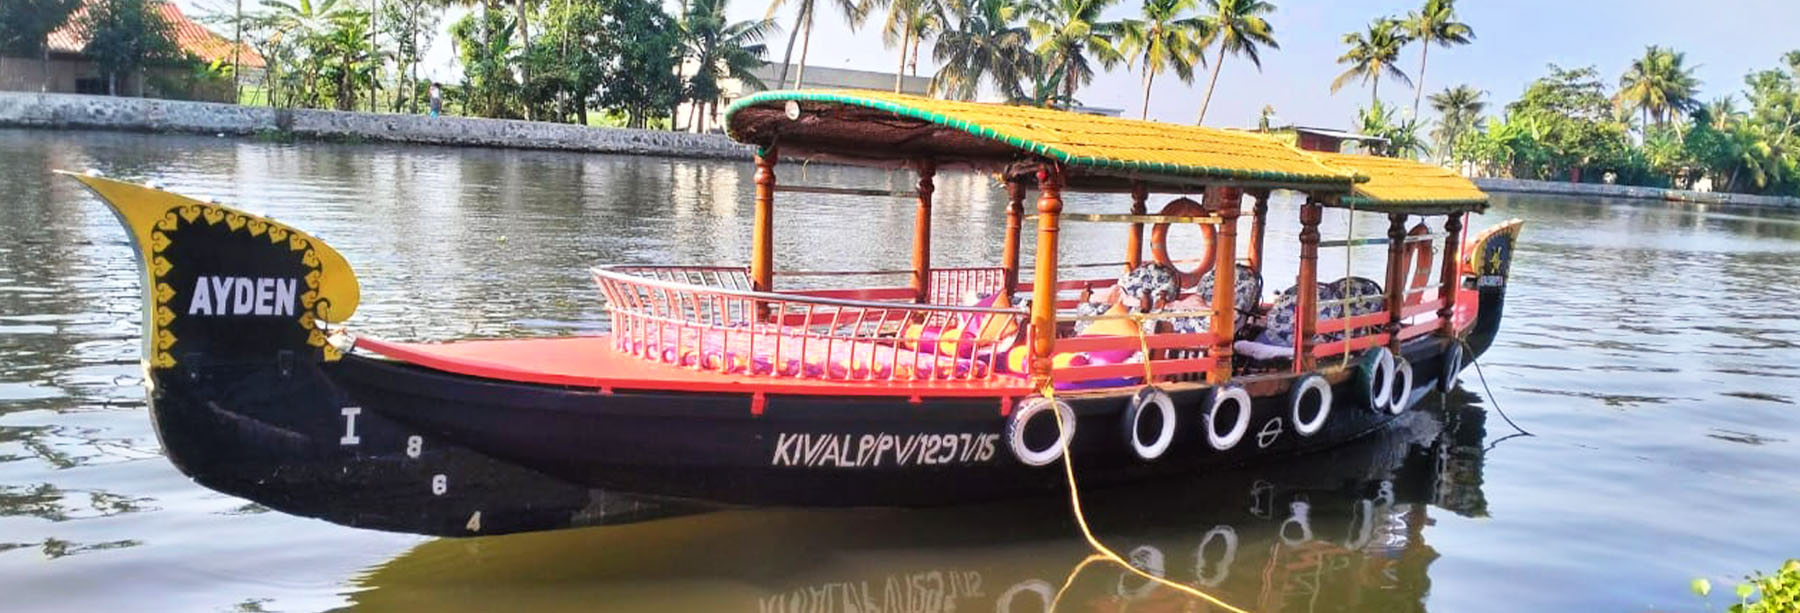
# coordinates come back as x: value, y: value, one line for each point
x: 125, y: 36
x: 1067, y: 33
x: 1435, y: 23
x: 983, y: 41
x: 346, y: 57
x: 1240, y: 27
x: 1458, y: 108
x: 412, y: 25
x: 641, y: 80
x: 907, y: 23
x: 1658, y: 84
x: 803, y: 25
x: 1371, y: 54
x: 484, y: 47
x: 1575, y: 124
x: 25, y: 27
x: 721, y: 49
x: 1401, y: 136
x: 1166, y: 37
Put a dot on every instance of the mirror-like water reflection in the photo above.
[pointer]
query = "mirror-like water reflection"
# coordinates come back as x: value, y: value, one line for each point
x: 1651, y: 348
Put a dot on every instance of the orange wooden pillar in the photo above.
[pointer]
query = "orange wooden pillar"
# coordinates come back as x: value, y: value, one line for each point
x: 762, y: 235
x: 1396, y: 277
x: 1258, y: 225
x: 1043, y: 286
x: 1306, y: 305
x: 1015, y: 215
x: 921, y: 274
x: 1450, y: 276
x: 1227, y: 201
x: 1134, y: 242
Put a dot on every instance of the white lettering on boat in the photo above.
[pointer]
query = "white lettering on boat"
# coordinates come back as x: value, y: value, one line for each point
x: 243, y: 296
x: 881, y: 449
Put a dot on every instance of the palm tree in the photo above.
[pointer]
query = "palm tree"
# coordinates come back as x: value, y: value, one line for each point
x: 1164, y: 40
x: 907, y: 23
x: 982, y: 40
x: 1435, y: 23
x: 720, y: 49
x: 1371, y: 54
x: 803, y: 23
x: 1067, y: 32
x: 1239, y: 27
x: 1658, y: 83
x: 1458, y: 108
x: 1723, y: 112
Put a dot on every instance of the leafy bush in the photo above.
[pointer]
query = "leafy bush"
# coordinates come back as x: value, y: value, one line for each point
x: 1777, y: 593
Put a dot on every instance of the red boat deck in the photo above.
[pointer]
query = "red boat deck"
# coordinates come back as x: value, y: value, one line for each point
x: 591, y: 361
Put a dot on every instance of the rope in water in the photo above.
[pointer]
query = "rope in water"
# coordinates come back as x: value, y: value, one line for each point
x: 1495, y: 402
x: 1106, y: 553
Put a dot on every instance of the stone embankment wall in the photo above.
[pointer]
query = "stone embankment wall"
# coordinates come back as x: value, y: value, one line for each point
x: 1627, y: 191
x: 33, y: 110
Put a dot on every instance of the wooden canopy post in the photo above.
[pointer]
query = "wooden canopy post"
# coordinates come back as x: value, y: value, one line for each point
x: 1134, y: 242
x: 1258, y: 225
x: 1015, y: 215
x: 1396, y: 277
x: 1043, y: 286
x: 1227, y: 201
x: 762, y: 236
x: 1450, y: 276
x: 1306, y: 304
x: 921, y: 275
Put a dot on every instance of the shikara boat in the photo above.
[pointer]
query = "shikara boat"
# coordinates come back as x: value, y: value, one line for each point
x: 721, y: 386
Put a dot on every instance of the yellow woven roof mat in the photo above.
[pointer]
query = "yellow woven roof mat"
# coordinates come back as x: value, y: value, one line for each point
x: 856, y: 124
x: 1404, y: 185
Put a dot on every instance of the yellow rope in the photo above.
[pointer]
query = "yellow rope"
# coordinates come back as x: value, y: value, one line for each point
x: 1106, y: 553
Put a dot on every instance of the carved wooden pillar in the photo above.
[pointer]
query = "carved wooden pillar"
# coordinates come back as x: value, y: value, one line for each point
x: 1450, y: 276
x: 1257, y: 227
x: 921, y: 276
x: 1043, y: 290
x: 1227, y: 201
x: 1015, y: 215
x: 1134, y: 242
x: 762, y: 235
x: 1306, y: 305
x: 1396, y: 277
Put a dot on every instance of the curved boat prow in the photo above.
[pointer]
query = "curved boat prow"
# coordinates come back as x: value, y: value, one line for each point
x: 246, y: 395
x: 1488, y: 259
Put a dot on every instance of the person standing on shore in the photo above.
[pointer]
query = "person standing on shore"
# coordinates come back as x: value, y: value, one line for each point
x: 436, y: 98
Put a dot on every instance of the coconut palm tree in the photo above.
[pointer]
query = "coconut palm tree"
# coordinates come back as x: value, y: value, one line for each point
x: 1067, y: 32
x: 803, y: 24
x: 1435, y: 23
x: 720, y: 49
x: 1723, y: 111
x: 907, y: 23
x: 982, y: 40
x: 1373, y: 53
x: 1659, y: 83
x: 1239, y: 26
x: 1458, y: 108
x: 1164, y: 39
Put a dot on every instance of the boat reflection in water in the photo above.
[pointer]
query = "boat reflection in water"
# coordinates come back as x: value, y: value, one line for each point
x: 1341, y: 530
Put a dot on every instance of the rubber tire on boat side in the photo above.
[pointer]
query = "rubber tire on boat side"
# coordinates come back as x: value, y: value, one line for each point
x: 1221, y: 395
x: 1149, y: 398
x: 1452, y: 367
x: 1375, y: 373
x: 1308, y: 385
x: 1400, y: 393
x: 1021, y: 416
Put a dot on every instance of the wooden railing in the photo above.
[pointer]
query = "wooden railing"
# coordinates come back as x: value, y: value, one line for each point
x: 704, y: 318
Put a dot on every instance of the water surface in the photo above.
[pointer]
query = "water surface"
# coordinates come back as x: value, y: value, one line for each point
x: 1651, y: 348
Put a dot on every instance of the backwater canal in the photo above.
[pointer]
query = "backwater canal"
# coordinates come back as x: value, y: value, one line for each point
x: 1653, y: 349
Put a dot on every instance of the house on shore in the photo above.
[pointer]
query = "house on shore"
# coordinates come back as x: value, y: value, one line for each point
x: 68, y: 69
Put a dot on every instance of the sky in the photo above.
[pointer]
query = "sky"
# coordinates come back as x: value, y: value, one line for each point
x: 1515, y: 40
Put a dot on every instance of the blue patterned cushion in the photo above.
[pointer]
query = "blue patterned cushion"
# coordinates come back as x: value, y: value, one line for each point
x: 1247, y: 288
x: 1279, y: 328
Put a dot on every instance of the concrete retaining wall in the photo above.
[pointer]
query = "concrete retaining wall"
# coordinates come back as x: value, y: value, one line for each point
x: 22, y: 109
x: 1628, y: 191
